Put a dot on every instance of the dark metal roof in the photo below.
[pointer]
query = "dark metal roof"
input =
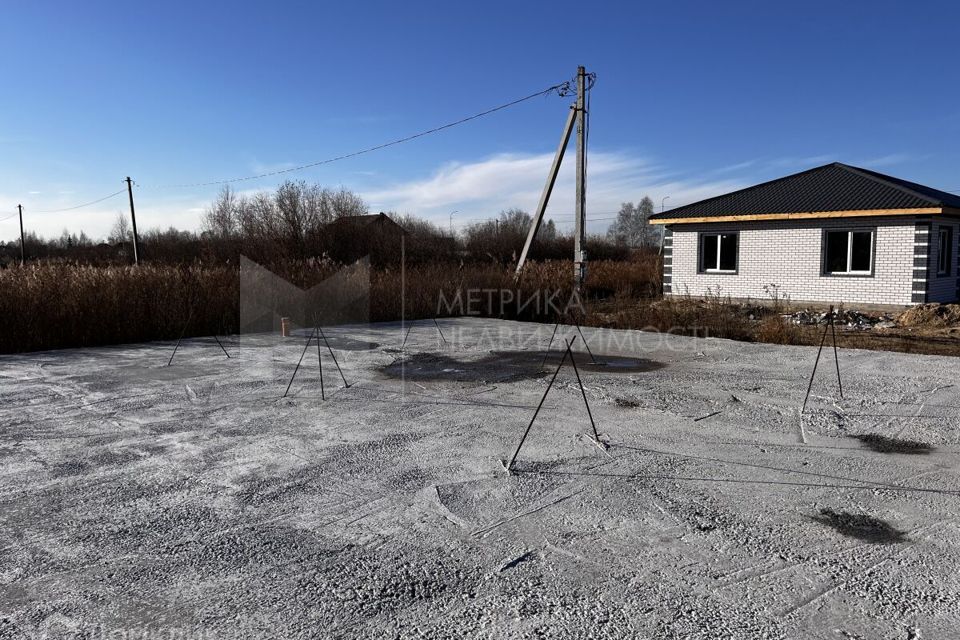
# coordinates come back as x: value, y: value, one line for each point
x: 832, y: 187
x: 381, y: 219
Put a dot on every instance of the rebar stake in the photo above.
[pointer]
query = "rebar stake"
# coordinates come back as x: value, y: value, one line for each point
x: 305, y: 347
x: 332, y: 355
x: 437, y: 325
x: 323, y: 395
x: 539, y: 406
x: 596, y: 436
x: 549, y: 344
x: 221, y: 345
x: 814, y: 372
x: 182, y: 332
x: 587, y: 345
x: 836, y: 358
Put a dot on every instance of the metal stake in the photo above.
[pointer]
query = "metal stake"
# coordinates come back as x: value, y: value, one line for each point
x: 305, y: 347
x: 587, y: 345
x: 221, y: 345
x: 323, y: 395
x: 814, y: 372
x: 836, y: 358
x: 596, y: 436
x: 407, y: 335
x: 437, y: 324
x: 345, y: 383
x: 183, y: 331
x: 525, y: 433
x: 550, y: 344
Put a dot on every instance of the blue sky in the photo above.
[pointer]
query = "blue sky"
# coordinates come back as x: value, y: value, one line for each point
x: 692, y: 99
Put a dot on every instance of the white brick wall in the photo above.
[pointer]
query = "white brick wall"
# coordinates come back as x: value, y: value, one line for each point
x: 789, y: 254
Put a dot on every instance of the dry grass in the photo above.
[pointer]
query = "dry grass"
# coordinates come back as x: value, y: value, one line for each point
x: 53, y: 306
x: 60, y: 305
x: 710, y: 317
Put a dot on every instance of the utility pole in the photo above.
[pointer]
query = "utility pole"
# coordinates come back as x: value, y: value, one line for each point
x: 580, y: 223
x: 577, y: 116
x: 133, y: 219
x: 23, y: 254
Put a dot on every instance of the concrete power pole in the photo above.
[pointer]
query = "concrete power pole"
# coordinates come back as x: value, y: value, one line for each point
x: 133, y: 219
x: 580, y: 223
x: 577, y: 116
x: 23, y: 254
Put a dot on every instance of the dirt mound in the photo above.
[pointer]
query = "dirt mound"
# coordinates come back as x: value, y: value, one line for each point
x: 931, y: 315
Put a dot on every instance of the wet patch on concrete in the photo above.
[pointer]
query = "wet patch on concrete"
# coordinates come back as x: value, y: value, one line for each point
x: 109, y: 457
x: 343, y: 343
x: 69, y: 468
x: 860, y: 526
x: 885, y: 444
x: 508, y: 365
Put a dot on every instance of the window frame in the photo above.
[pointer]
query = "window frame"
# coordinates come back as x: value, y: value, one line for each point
x: 824, y: 263
x: 947, y: 271
x: 701, y: 268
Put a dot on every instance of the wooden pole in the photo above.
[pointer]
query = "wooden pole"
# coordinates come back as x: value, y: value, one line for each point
x: 133, y: 219
x: 23, y: 254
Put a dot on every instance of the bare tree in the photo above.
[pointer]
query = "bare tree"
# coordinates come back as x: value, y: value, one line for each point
x: 121, y: 230
x: 632, y: 226
x: 222, y: 218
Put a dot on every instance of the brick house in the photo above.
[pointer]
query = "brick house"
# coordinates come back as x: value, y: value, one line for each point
x: 835, y: 234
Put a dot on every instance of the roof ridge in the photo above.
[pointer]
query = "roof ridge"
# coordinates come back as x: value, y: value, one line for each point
x: 889, y: 181
x: 751, y: 187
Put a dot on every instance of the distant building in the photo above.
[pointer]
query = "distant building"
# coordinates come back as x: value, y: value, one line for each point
x: 835, y: 234
x: 353, y: 237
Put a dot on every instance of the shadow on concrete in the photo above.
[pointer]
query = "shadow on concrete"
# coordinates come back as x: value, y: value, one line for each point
x: 885, y: 444
x: 860, y: 526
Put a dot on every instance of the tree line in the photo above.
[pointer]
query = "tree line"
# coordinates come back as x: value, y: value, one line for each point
x: 300, y: 221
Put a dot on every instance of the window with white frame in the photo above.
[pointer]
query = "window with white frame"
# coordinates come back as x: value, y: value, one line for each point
x: 944, y: 251
x: 718, y: 252
x: 848, y: 252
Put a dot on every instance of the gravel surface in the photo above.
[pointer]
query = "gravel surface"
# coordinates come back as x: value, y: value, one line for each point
x: 139, y: 500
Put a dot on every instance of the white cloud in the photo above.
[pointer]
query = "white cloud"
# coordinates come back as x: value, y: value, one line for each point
x: 481, y: 189
x: 892, y: 159
x: 477, y: 190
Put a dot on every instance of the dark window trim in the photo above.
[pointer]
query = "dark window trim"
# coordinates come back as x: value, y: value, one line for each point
x: 949, y: 229
x: 823, y: 252
x: 700, y: 269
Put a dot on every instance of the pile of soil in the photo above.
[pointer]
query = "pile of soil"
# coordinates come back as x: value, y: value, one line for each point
x: 930, y: 315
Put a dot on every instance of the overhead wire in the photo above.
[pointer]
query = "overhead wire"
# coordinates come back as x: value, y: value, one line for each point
x: 79, y: 206
x: 560, y: 88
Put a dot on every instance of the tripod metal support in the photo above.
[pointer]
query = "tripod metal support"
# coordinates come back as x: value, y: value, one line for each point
x: 183, y: 332
x: 305, y: 347
x: 326, y: 342
x: 539, y: 406
x: 568, y: 352
x: 318, y: 334
x: 829, y: 327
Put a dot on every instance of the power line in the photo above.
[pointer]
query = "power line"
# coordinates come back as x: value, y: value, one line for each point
x: 559, y: 88
x: 80, y: 206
